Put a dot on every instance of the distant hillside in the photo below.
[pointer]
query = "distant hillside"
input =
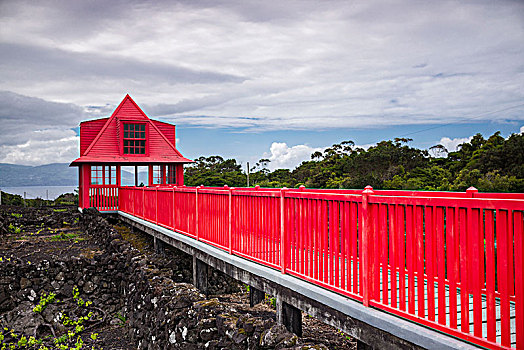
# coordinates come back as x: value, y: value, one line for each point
x: 56, y: 174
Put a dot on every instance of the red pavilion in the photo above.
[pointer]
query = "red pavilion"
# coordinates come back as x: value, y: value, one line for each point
x: 127, y: 148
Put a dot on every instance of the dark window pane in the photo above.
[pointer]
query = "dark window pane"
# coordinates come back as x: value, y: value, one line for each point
x: 134, y: 139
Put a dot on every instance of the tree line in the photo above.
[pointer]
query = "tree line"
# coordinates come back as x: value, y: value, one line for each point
x: 18, y: 200
x: 495, y: 164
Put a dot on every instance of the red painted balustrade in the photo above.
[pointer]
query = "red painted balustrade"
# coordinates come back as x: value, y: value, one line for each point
x: 450, y: 261
x: 104, y: 198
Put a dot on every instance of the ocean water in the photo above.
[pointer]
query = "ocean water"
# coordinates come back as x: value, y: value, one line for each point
x: 44, y: 192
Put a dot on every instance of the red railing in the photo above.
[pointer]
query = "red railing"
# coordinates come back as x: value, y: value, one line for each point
x: 104, y: 198
x: 450, y: 261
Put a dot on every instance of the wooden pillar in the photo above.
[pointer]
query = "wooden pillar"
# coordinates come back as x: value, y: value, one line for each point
x: 179, y: 174
x: 85, y: 170
x: 80, y: 188
x: 149, y: 175
x: 256, y: 296
x: 136, y: 175
x: 200, y: 275
x: 119, y: 175
x: 289, y: 316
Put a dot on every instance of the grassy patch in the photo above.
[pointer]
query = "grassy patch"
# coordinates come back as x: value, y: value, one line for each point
x: 59, y: 210
x: 65, y: 237
x: 21, y: 238
x: 13, y: 229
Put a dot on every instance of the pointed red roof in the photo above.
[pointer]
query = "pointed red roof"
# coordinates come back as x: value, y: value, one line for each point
x: 107, y: 145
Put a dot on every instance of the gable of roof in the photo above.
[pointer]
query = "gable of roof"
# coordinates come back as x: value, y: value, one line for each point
x: 107, y: 143
x: 88, y: 132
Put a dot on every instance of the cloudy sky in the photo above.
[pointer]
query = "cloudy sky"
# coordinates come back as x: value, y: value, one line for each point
x: 260, y: 79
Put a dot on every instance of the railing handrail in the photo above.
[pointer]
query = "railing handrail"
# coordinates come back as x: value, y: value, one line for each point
x: 396, y: 193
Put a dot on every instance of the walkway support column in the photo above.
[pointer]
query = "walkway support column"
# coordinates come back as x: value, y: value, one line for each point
x: 256, y: 296
x: 200, y: 275
x: 159, y: 246
x: 289, y: 316
x: 363, y: 346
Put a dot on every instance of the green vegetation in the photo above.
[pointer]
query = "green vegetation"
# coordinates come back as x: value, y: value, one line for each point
x: 494, y: 164
x: 73, y: 325
x: 79, y: 301
x: 270, y: 301
x: 63, y: 199
x: 64, y: 237
x: 44, y: 301
x: 14, y: 229
x: 122, y: 318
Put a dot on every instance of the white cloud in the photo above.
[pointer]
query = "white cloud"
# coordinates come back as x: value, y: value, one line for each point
x: 258, y: 66
x: 284, y: 157
x: 452, y: 144
x: 365, y: 146
x: 272, y: 65
x: 43, y: 147
x: 522, y: 129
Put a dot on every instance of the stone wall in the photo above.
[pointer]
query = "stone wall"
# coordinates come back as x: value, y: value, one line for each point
x: 162, y: 311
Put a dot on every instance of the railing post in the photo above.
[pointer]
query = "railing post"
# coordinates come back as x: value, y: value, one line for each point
x: 196, y: 211
x: 230, y: 219
x: 143, y: 202
x: 133, y: 201
x: 367, y: 278
x: 174, y: 208
x: 470, y: 192
x: 156, y: 205
x: 282, y: 231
